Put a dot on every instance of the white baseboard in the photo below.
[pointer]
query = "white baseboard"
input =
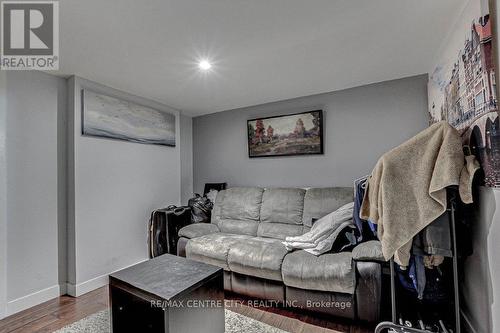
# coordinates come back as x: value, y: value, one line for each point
x: 87, y: 286
x: 468, y: 327
x: 31, y: 300
x: 92, y: 284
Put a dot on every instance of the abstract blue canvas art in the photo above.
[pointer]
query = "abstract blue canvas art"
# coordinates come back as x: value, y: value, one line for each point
x: 110, y: 117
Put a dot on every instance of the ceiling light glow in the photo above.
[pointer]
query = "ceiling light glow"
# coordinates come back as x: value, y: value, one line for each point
x: 204, y: 65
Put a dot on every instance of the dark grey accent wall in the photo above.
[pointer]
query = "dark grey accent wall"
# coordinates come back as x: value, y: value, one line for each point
x: 360, y: 124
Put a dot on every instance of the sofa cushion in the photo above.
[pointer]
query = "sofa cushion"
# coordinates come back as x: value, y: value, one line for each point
x: 239, y: 227
x: 319, y: 202
x: 198, y: 230
x: 368, y: 251
x: 282, y: 205
x: 332, y: 272
x: 279, y: 230
x: 241, y: 203
x: 217, y: 209
x: 259, y: 257
x: 213, y: 248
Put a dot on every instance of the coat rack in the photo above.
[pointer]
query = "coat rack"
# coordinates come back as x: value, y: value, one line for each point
x: 393, y: 326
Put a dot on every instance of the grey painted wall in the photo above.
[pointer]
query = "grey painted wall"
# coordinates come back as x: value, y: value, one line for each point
x: 113, y: 187
x: 359, y: 124
x: 33, y: 207
x: 62, y: 183
x: 186, y: 142
x: 3, y: 194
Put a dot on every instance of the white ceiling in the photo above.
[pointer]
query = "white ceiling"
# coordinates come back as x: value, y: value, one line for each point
x: 262, y: 50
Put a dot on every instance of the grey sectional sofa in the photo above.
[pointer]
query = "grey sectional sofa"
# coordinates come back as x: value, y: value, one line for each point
x: 244, y: 238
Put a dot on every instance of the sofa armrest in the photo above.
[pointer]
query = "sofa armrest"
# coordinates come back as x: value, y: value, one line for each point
x: 181, y: 246
x: 368, y: 290
x: 198, y: 230
x: 368, y: 251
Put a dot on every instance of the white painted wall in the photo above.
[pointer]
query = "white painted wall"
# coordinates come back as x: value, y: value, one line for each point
x: 107, y: 196
x: 492, y: 208
x: 33, y: 101
x: 113, y: 187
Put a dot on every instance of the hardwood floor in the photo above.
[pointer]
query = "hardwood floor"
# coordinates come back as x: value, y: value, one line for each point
x: 57, y: 313
x: 296, y: 321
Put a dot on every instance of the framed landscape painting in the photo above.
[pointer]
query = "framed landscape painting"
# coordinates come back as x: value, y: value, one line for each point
x: 287, y: 135
x: 109, y: 117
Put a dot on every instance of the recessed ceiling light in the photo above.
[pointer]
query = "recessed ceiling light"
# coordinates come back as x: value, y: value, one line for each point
x: 204, y: 65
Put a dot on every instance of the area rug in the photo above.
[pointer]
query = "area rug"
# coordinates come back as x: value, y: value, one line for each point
x: 235, y: 323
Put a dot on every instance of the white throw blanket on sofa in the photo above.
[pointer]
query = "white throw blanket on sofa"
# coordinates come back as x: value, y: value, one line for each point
x: 323, y: 233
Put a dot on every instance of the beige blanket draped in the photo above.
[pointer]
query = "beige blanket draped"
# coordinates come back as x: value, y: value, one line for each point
x: 407, y: 188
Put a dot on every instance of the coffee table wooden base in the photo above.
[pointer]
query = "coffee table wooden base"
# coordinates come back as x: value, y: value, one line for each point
x: 199, y: 309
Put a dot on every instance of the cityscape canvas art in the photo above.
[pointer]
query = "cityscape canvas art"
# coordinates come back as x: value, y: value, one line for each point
x: 110, y: 117
x: 294, y: 134
x: 462, y: 88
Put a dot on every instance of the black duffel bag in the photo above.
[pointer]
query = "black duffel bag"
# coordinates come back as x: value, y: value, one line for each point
x: 201, y: 209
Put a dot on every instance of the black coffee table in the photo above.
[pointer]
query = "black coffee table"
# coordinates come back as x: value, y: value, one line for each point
x: 167, y: 294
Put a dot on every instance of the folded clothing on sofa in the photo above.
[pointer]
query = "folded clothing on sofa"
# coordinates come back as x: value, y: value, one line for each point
x: 323, y: 233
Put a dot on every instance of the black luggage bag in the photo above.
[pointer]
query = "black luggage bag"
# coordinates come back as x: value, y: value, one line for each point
x: 201, y: 209
x: 164, y: 226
